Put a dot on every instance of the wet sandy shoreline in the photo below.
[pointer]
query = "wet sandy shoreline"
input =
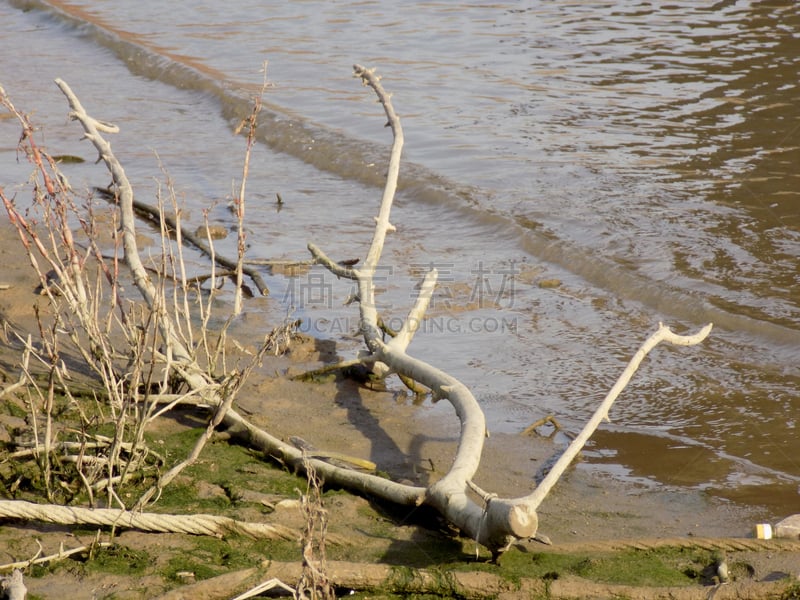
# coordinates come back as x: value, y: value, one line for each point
x: 417, y: 441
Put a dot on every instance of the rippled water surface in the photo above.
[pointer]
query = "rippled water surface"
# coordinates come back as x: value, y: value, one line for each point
x: 645, y: 156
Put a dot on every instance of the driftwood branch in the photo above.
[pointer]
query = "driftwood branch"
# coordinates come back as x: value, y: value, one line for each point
x: 92, y: 128
x: 664, y: 334
x: 365, y: 483
x: 50, y: 558
x: 365, y: 578
x: 497, y: 522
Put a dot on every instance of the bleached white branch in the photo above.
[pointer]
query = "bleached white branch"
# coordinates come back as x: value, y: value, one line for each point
x: 416, y: 315
x: 663, y: 334
x: 499, y: 521
x: 13, y: 587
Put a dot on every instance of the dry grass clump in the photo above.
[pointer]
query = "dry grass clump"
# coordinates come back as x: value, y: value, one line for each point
x: 91, y: 439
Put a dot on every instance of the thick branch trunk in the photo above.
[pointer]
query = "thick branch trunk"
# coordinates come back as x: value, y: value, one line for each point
x: 13, y: 587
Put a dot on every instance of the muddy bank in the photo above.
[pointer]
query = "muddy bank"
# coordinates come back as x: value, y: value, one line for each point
x: 407, y: 440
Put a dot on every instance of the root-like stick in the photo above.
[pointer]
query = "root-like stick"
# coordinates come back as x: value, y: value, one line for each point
x: 62, y: 446
x: 413, y: 386
x: 170, y: 401
x: 10, y: 389
x: 327, y: 370
x: 51, y: 558
x: 275, y: 262
x: 268, y: 585
x: 543, y: 421
x: 311, y: 452
x: 153, y: 214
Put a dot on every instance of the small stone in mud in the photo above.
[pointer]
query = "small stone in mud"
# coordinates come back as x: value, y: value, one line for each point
x: 215, y: 232
x: 186, y: 576
x: 548, y: 284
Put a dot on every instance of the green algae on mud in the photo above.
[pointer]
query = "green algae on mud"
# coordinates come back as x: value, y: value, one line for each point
x: 232, y: 480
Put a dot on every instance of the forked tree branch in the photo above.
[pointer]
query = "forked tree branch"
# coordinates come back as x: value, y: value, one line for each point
x: 498, y: 521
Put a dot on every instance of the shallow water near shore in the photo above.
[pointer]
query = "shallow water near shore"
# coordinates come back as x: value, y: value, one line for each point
x: 576, y: 174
